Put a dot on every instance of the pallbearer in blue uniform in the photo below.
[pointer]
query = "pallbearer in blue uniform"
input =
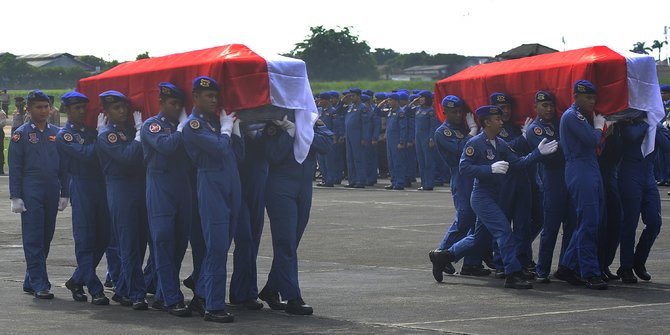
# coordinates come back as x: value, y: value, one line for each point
x: 662, y: 160
x: 639, y: 195
x: 488, y: 158
x: 168, y: 195
x: 579, y: 141
x: 397, y: 129
x: 120, y: 153
x: 38, y: 189
x: 326, y: 112
x: 357, y: 132
x: 90, y: 216
x: 426, y: 123
x: 558, y: 208
x: 289, y: 200
x: 214, y: 144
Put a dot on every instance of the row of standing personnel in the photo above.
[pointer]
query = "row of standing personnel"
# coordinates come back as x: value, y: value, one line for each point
x: 163, y: 183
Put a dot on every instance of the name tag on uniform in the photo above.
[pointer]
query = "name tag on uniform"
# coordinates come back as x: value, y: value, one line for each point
x: 489, y: 154
x: 32, y: 138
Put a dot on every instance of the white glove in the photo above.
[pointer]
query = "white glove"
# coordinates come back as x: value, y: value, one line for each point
x: 137, y: 116
x: 18, y: 206
x: 500, y: 167
x: 598, y: 121
x: 226, y: 122
x: 287, y: 125
x: 525, y: 126
x: 62, y: 203
x: 183, y: 116
x: 609, y: 123
x: 665, y: 124
x: 180, y: 126
x: 547, y: 148
x: 102, y: 121
x: 236, y: 127
x: 472, y: 125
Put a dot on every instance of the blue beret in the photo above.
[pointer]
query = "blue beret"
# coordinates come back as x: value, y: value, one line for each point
x: 542, y: 96
x: 355, y: 90
x: 334, y: 94
x: 665, y: 88
x: 112, y: 96
x: 380, y: 96
x: 365, y: 98
x: 345, y: 92
x: 71, y: 98
x: 403, y: 90
x: 416, y: 91
x: 403, y: 96
x: 584, y: 87
x: 37, y: 95
x: 203, y: 83
x: 485, y: 111
x: 394, y: 96
x: 500, y: 98
x: 413, y: 96
x: 369, y: 93
x: 452, y: 101
x: 168, y: 90
x: 324, y: 95
x: 426, y: 94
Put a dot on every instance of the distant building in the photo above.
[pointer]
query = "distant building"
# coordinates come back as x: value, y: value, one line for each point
x: 64, y: 60
x: 525, y: 50
x: 422, y: 72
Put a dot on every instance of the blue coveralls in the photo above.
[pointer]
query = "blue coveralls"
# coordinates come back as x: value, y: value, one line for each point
x: 169, y: 203
x: 662, y: 159
x: 326, y: 116
x: 335, y: 159
x: 288, y: 195
x: 639, y: 193
x: 371, y: 155
x: 253, y: 175
x: 450, y: 140
x: 91, y: 226
x: 397, y: 130
x: 487, y: 194
x: 121, y: 160
x: 410, y: 153
x: 579, y: 141
x: 36, y: 176
x: 196, y: 240
x: 357, y: 129
x: 558, y: 208
x: 425, y: 125
x: 612, y: 219
x: 216, y: 157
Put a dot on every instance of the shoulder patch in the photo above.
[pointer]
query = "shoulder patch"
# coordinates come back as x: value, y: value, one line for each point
x: 194, y: 124
x: 580, y: 116
x: 68, y: 137
x: 112, y: 138
x: 537, y: 131
x: 155, y: 127
x: 469, y: 151
x: 447, y: 132
x: 16, y: 137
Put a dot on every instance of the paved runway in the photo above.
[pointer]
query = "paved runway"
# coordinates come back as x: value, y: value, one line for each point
x: 364, y: 268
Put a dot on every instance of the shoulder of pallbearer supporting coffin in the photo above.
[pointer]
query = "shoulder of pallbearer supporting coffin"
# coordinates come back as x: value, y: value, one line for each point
x: 257, y: 118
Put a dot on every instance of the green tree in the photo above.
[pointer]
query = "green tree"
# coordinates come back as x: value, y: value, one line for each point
x: 640, y: 48
x: 383, y: 55
x: 98, y: 62
x: 143, y: 55
x: 658, y: 45
x: 335, y: 55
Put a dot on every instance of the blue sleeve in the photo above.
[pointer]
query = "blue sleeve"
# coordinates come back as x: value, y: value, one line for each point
x: 278, y: 147
x: 63, y: 178
x: 434, y: 121
x: 210, y: 142
x: 403, y: 122
x: 16, y: 163
x: 75, y: 150
x: 449, y: 149
x: 128, y: 155
x: 582, y: 131
x: 468, y: 167
x: 161, y: 141
x: 322, y: 142
x: 662, y: 138
x: 366, y: 118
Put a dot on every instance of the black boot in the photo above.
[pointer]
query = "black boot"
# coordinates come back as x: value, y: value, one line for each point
x: 219, y: 316
x: 606, y: 271
x: 474, y: 270
x: 627, y: 276
x: 566, y: 274
x: 517, y: 281
x: 298, y: 307
x: 178, y: 309
x: 440, y: 260
x: 99, y: 299
x: 124, y: 301
x: 251, y: 304
x: 641, y: 272
x: 77, y: 291
x: 197, y: 305
x: 272, y: 299
x: 596, y: 283
x: 140, y: 305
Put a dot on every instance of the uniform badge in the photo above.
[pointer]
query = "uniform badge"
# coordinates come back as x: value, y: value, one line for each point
x: 67, y: 137
x: 458, y: 133
x: 194, y: 124
x: 16, y: 137
x: 52, y: 138
x: 470, y: 151
x: 489, y: 154
x: 112, y: 138
x: 154, y: 127
x: 537, y: 131
x: 503, y: 133
x: 272, y: 131
x: 78, y: 138
x: 122, y: 136
x: 32, y: 138
x: 549, y: 131
x: 580, y: 116
x: 447, y: 132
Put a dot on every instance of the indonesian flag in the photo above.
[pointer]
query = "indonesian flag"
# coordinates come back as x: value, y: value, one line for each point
x: 625, y: 82
x: 247, y: 79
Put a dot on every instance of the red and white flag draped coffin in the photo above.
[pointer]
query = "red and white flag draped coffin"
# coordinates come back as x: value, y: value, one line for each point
x: 248, y: 81
x: 625, y: 82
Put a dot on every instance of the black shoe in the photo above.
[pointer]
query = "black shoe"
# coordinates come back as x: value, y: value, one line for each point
x: 251, y: 304
x: 424, y: 189
x: 178, y: 309
x: 528, y: 275
x: 77, y: 291
x: 99, y: 299
x: 543, y: 280
x: 189, y: 283
x: 122, y: 300
x: 596, y: 283
x: 349, y: 186
x: 440, y: 260
x: 158, y: 305
x: 388, y: 187
x: 516, y: 281
x: 531, y: 267
x: 324, y: 185
x: 606, y: 271
x: 641, y: 272
x: 219, y: 316
x: 359, y: 186
x: 627, y: 276
x: 499, y: 274
x: 449, y: 269
x: 272, y: 299
x: 44, y: 295
x: 474, y: 270
x: 488, y: 261
x: 566, y: 274
x: 28, y: 290
x: 108, y: 284
x: 298, y: 307
x: 140, y: 305
x: 197, y: 305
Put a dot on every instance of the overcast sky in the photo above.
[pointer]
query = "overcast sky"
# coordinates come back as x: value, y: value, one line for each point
x: 121, y: 29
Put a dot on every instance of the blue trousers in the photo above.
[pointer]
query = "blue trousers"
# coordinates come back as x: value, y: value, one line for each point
x: 113, y: 258
x: 425, y: 155
x: 38, y: 224
x: 396, y: 160
x: 323, y: 166
x: 612, y: 219
x: 442, y: 172
x: 410, y: 164
x: 472, y: 245
x: 464, y: 222
x: 90, y: 228
x: 371, y: 164
x: 356, y: 160
x: 335, y: 164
